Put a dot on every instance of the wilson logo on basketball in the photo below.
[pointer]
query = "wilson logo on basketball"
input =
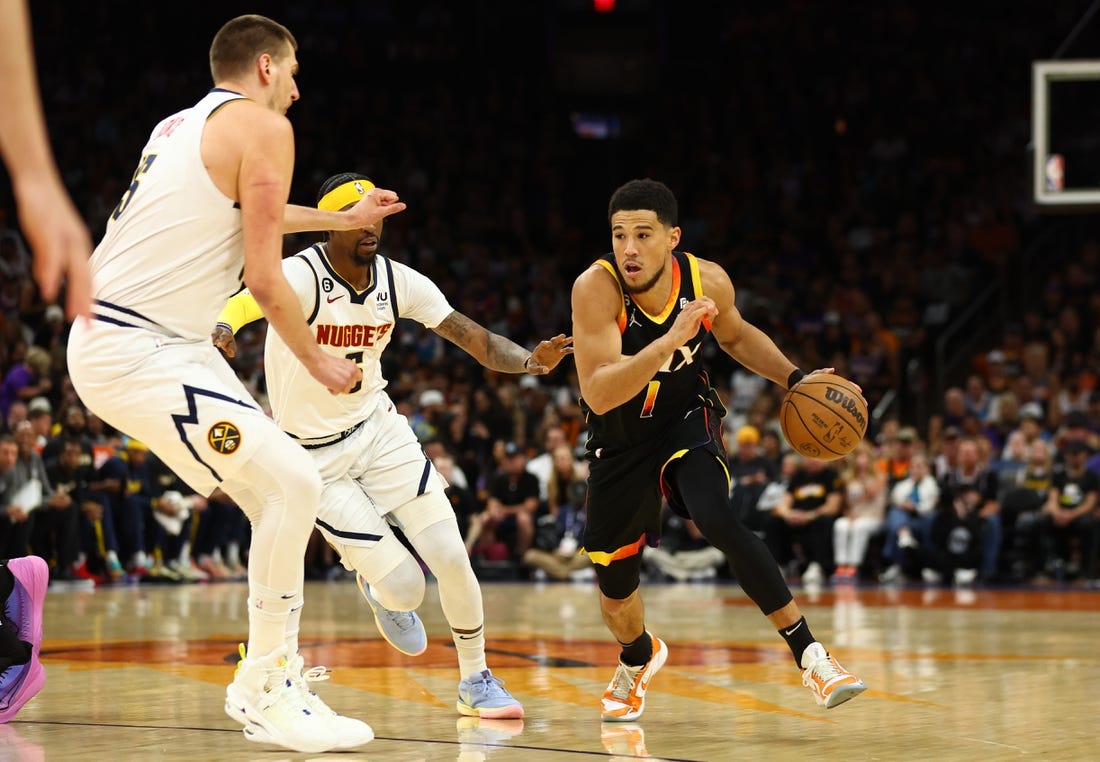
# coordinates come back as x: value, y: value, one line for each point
x: 224, y: 437
x: 847, y: 404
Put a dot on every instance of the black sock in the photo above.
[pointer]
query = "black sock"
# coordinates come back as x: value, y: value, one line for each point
x: 798, y: 637
x: 637, y: 653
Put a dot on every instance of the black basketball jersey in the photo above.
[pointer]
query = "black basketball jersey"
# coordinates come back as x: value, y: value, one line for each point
x: 679, y: 386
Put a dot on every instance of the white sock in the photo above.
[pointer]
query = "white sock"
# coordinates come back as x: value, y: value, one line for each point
x: 268, y: 616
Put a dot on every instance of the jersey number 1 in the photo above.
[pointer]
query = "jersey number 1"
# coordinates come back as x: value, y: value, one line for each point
x: 650, y: 399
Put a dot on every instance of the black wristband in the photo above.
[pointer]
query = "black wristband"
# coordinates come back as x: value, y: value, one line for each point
x: 796, y: 375
x: 527, y: 364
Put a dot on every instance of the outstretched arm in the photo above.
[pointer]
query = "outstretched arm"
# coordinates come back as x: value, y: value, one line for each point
x: 502, y: 354
x: 739, y: 338
x: 377, y: 204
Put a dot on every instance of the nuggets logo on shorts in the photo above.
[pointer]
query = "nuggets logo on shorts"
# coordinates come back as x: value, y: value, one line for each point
x: 224, y: 437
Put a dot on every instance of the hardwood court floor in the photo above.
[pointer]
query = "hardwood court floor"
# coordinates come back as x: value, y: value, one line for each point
x: 139, y: 673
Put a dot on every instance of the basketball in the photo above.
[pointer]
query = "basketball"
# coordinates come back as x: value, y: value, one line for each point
x: 824, y: 417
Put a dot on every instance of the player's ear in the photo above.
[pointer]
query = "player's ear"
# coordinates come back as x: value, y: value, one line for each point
x: 674, y: 236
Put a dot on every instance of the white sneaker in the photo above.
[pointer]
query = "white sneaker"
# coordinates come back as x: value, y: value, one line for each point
x: 931, y: 576
x: 814, y: 575
x: 349, y: 732
x: 273, y: 709
x: 830, y: 683
x: 965, y: 577
x: 891, y: 575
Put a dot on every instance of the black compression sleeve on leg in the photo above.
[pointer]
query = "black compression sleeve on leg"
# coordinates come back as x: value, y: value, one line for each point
x: 701, y: 483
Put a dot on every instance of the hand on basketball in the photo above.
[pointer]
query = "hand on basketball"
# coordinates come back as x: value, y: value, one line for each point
x: 695, y: 313
x: 224, y: 340
x: 832, y: 371
x: 549, y: 353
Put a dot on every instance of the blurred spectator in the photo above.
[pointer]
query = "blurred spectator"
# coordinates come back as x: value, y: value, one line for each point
x: 750, y: 472
x: 57, y: 532
x: 913, y: 502
x: 947, y: 457
x: 462, y: 500
x: 863, y: 514
x: 896, y: 455
x: 968, y: 530
x: 542, y: 465
x: 26, y: 380
x: 1067, y: 529
x: 15, y: 494
x: 505, y: 530
x: 559, y: 531
x: 804, y: 518
x: 684, y: 555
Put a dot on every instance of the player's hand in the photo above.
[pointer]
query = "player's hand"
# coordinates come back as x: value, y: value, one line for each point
x: 549, y: 353
x: 60, y: 242
x: 832, y: 371
x: 224, y: 340
x: 695, y: 313
x: 338, y: 374
x: 376, y: 205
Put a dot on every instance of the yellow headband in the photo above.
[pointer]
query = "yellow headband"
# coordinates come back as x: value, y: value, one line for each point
x: 344, y: 195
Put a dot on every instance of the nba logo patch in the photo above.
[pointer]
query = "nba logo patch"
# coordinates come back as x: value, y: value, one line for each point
x: 224, y: 437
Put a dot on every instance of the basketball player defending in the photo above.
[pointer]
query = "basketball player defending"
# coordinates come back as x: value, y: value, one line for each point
x: 640, y: 315
x: 207, y: 207
x: 375, y: 473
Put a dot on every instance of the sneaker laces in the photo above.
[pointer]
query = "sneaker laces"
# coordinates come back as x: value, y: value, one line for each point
x: 623, y: 681
x: 403, y: 619
x: 824, y: 668
x: 488, y: 685
x: 301, y: 678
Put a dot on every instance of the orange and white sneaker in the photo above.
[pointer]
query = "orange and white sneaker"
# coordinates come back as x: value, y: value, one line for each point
x: 831, y: 684
x: 624, y: 699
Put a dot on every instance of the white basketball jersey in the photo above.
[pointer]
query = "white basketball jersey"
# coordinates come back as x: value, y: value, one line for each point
x: 173, y: 251
x: 346, y: 323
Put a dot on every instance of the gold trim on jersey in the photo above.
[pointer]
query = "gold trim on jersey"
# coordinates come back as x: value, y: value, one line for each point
x: 344, y: 195
x: 622, y: 294
x: 696, y: 279
x: 673, y: 296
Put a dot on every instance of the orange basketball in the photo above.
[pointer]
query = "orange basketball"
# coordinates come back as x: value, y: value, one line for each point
x: 824, y: 417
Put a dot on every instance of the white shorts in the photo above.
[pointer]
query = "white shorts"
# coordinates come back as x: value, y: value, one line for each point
x: 371, y: 472
x: 179, y: 398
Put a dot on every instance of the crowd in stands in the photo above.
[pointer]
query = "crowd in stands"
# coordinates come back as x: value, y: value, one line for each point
x: 852, y: 232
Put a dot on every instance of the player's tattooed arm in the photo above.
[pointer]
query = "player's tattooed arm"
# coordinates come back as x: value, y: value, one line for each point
x: 500, y: 353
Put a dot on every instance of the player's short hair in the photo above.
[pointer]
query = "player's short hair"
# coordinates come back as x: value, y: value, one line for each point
x: 649, y: 195
x: 337, y: 180
x: 241, y: 40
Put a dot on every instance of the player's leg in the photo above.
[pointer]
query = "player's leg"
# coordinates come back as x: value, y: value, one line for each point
x: 269, y: 693
x: 388, y: 575
x: 699, y: 482
x: 623, y: 517
x: 430, y: 524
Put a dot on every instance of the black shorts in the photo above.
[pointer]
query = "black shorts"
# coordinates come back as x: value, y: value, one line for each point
x: 625, y: 487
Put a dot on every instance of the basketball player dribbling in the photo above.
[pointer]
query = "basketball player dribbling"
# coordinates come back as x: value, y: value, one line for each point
x: 640, y: 315
x: 207, y: 206
x: 374, y: 470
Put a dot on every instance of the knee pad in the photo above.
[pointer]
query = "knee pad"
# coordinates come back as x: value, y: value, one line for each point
x: 620, y: 578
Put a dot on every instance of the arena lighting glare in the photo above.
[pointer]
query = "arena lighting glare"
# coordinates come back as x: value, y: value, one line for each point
x: 1050, y: 166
